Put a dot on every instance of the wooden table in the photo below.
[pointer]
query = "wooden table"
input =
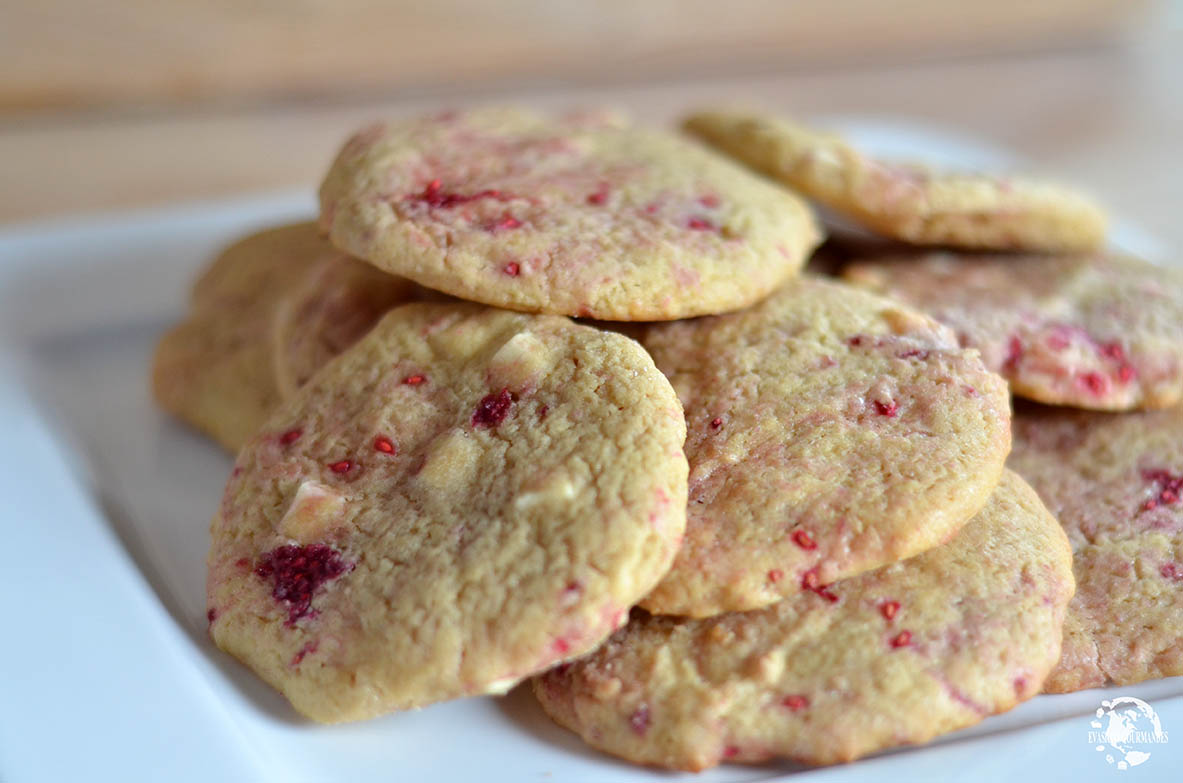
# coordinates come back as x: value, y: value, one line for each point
x: 1108, y: 119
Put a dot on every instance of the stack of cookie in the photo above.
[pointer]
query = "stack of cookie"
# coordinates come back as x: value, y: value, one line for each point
x: 768, y: 516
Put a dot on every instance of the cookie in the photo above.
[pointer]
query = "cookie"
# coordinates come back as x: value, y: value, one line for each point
x: 1102, y: 332
x: 830, y: 431
x: 464, y: 498
x: 907, y: 202
x: 549, y: 215
x: 892, y: 657
x: 271, y: 310
x: 1114, y: 482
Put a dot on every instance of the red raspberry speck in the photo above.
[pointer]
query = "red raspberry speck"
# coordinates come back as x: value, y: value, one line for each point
x: 1057, y: 342
x: 1095, y: 382
x: 795, y: 702
x: 297, y: 571
x: 775, y: 575
x: 599, y: 197
x: 434, y: 196
x: 562, y: 646
x: 1170, y: 488
x: 915, y: 353
x: 492, y: 409
x: 291, y: 436
x: 507, y: 222
x: 307, y: 649
x: 513, y: 269
x: 1014, y: 353
x: 802, y: 539
x: 341, y: 466
x: 812, y: 582
x: 855, y: 341
x: 901, y: 639
x: 1113, y: 351
x: 1171, y: 571
x: 889, y: 609
x: 639, y: 720
x: 700, y: 224
x: 211, y: 615
x: 414, y: 380
x: 889, y: 409
x: 730, y: 752
x: 384, y: 445
x: 710, y: 201
x: 716, y: 423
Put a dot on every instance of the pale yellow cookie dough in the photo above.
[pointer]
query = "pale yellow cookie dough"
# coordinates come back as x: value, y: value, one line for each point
x: 269, y: 311
x: 462, y: 499
x: 541, y: 214
x: 905, y: 653
x: 908, y: 202
x: 831, y: 431
x: 1114, y: 482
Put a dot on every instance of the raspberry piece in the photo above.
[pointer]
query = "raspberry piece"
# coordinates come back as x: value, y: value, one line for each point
x: 297, y: 571
x: 492, y: 409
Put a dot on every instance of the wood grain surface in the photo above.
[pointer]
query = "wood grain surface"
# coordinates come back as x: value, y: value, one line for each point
x: 56, y: 53
x: 1109, y: 120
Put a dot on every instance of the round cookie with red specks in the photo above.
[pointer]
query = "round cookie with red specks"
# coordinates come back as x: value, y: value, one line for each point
x: 907, y: 202
x: 1115, y: 483
x: 830, y: 431
x: 272, y: 309
x: 897, y: 656
x: 464, y: 498
x: 554, y: 215
x: 1100, y: 332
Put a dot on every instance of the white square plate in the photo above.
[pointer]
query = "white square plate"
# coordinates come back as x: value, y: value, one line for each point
x: 106, y: 672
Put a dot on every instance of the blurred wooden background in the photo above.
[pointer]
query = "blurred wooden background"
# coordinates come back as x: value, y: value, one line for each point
x: 138, y: 103
x: 68, y: 53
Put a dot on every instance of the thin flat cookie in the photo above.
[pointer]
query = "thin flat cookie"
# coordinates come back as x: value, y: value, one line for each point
x: 908, y: 202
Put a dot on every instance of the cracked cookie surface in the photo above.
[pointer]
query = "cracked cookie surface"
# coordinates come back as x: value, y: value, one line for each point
x: 557, y: 215
x: 460, y: 500
x: 901, y: 655
x: 830, y: 431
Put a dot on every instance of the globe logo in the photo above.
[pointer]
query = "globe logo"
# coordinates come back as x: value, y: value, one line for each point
x: 1125, y: 730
